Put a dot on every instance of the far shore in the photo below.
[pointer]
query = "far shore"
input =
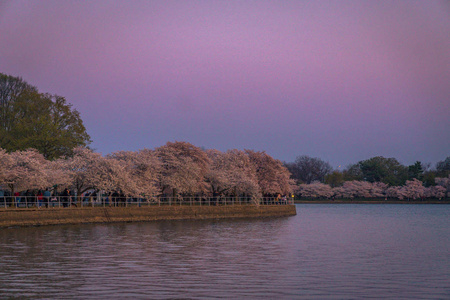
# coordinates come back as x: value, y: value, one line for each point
x: 359, y: 201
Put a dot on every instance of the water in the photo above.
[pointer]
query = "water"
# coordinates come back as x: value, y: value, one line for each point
x: 325, y: 252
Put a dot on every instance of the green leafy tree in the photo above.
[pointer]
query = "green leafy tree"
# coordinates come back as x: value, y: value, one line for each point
x: 416, y: 171
x: 334, y: 179
x: 353, y: 172
x: 429, y: 178
x: 381, y: 169
x: 29, y: 119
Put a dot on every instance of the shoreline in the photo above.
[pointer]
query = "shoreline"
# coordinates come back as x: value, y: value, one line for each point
x: 58, y: 216
x: 371, y: 202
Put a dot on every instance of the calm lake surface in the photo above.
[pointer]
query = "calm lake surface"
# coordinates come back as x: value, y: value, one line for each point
x: 325, y: 252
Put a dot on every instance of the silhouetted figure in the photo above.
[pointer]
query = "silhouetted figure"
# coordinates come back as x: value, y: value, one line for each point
x: 65, y: 197
x: 122, y: 199
x: 214, y: 198
x: 115, y: 198
x: 47, y: 195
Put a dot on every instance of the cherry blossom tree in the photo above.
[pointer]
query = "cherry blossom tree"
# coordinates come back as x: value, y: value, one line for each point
x: 56, y: 174
x: 315, y: 189
x: 216, y: 176
x: 413, y: 189
x: 111, y: 175
x: 83, y: 168
x: 354, y: 189
x: 360, y: 189
x: 138, y: 171
x: 378, y: 190
x: 273, y: 177
x: 231, y: 172
x: 395, y: 192
x: 24, y: 170
x: 435, y: 192
x: 6, y: 165
x: 444, y: 182
x: 183, y: 168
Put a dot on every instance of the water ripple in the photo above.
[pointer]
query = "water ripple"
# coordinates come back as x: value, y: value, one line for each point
x: 325, y: 252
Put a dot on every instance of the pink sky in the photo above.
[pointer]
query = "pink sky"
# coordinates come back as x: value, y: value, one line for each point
x: 339, y: 80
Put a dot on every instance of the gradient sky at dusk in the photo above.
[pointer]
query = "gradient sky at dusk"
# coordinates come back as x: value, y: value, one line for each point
x: 339, y: 80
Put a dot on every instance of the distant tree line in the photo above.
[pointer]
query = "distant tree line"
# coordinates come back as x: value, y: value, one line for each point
x: 372, y: 178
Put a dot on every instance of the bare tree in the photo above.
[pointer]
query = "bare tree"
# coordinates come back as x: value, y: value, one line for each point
x: 307, y: 169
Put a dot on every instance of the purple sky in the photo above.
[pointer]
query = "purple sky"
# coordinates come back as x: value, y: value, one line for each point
x: 339, y: 80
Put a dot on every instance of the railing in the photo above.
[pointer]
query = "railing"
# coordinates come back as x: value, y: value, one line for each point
x: 108, y: 201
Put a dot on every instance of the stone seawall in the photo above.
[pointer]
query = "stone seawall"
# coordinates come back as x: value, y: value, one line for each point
x: 55, y: 216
